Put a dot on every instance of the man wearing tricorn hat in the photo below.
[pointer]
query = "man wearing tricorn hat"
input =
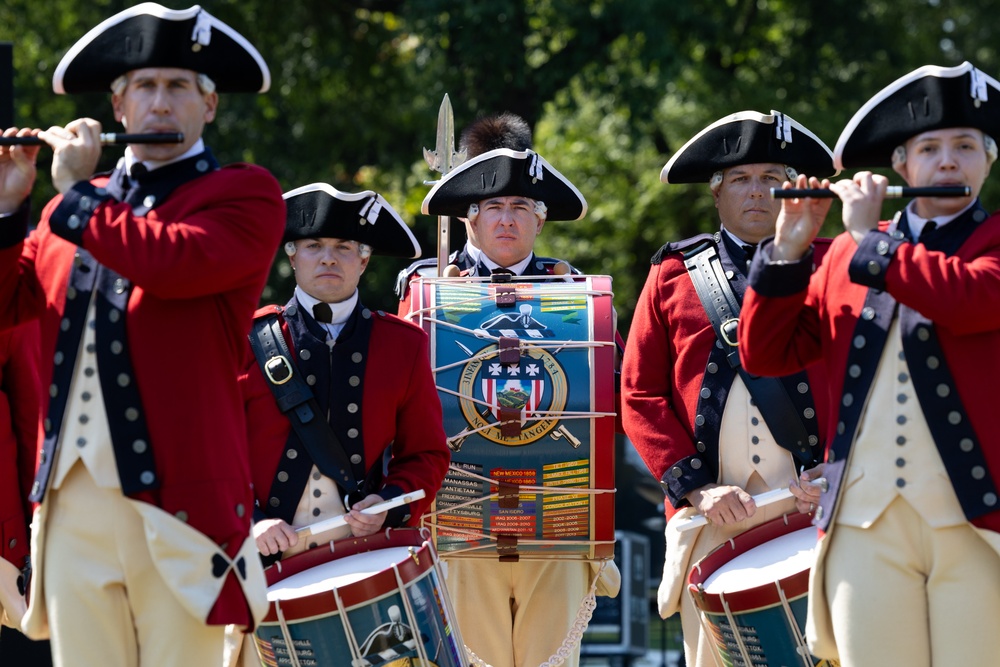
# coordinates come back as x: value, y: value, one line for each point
x: 712, y: 435
x: 512, y: 614
x: 488, y: 133
x: 367, y: 371
x: 144, y: 282
x: 346, y: 354
x: 901, y: 315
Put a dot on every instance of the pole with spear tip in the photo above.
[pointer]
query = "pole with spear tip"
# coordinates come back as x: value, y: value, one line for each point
x: 443, y: 159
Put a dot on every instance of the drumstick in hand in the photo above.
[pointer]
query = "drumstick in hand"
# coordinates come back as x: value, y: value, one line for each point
x: 760, y: 500
x: 338, y: 521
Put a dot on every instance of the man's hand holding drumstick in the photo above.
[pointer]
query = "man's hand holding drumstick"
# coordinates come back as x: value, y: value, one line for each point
x: 808, y: 488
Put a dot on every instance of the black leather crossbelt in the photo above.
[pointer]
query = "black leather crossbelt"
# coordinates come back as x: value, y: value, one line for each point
x: 295, y: 399
x: 723, y: 310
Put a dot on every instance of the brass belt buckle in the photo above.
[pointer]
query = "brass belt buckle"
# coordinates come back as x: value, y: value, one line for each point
x: 278, y: 370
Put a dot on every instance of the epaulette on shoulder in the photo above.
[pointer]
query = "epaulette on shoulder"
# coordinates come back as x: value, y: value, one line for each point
x: 684, y: 246
x: 268, y: 311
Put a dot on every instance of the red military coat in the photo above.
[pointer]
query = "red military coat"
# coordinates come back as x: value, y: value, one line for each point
x: 396, y: 406
x: 198, y: 262
x: 19, y: 404
x: 790, y: 319
x: 668, y: 350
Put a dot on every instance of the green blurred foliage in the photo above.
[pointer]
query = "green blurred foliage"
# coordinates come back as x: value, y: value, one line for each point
x: 612, y: 87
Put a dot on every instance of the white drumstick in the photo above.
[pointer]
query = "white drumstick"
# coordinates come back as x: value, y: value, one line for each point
x: 338, y: 521
x: 760, y: 500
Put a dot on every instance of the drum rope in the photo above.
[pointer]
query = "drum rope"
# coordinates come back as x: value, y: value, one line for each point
x: 557, y: 347
x: 800, y: 641
x: 533, y: 490
x: 410, y: 615
x: 348, y: 629
x: 541, y: 343
x: 449, y: 608
x: 481, y: 293
x: 736, y: 631
x: 548, y: 543
x: 708, y: 630
x: 420, y: 315
x: 575, y: 634
x: 528, y: 489
x: 546, y: 414
x: 292, y: 653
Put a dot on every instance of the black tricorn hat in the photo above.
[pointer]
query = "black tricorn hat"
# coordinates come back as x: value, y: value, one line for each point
x: 749, y: 137
x: 488, y: 133
x: 322, y: 211
x: 928, y: 98
x: 505, y: 173
x: 150, y: 35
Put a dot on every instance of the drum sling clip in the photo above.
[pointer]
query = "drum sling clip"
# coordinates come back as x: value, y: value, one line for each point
x: 504, y: 296
x: 510, y: 350
x: 508, y: 495
x: 510, y: 422
x: 507, y: 548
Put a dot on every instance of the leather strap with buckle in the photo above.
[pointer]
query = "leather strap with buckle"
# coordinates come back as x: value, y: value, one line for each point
x: 723, y: 311
x: 295, y: 399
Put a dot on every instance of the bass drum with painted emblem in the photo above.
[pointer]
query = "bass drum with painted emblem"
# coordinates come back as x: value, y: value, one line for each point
x: 525, y: 371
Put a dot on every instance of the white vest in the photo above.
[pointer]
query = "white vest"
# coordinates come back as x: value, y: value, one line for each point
x: 894, y: 453
x: 85, y: 434
x: 746, y: 446
x: 320, y: 501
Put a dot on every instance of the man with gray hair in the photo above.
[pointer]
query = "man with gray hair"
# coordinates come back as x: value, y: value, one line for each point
x: 144, y: 282
x: 710, y: 433
x: 482, y: 254
x: 513, y: 612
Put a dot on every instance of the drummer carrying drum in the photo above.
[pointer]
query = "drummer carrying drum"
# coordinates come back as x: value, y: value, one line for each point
x: 512, y: 614
x: 709, y: 432
x: 903, y: 316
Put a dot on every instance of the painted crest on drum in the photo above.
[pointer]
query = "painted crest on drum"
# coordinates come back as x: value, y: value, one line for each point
x: 520, y: 386
x: 530, y: 421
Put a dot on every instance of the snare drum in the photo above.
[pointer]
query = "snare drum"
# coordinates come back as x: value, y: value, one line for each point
x: 752, y: 592
x: 525, y: 372
x: 372, y: 601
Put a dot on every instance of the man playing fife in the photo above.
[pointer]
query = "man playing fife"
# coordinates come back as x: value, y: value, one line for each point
x: 144, y: 282
x: 902, y: 316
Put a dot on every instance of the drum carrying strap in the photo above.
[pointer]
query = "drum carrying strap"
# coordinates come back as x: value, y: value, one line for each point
x: 296, y: 400
x: 723, y: 310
